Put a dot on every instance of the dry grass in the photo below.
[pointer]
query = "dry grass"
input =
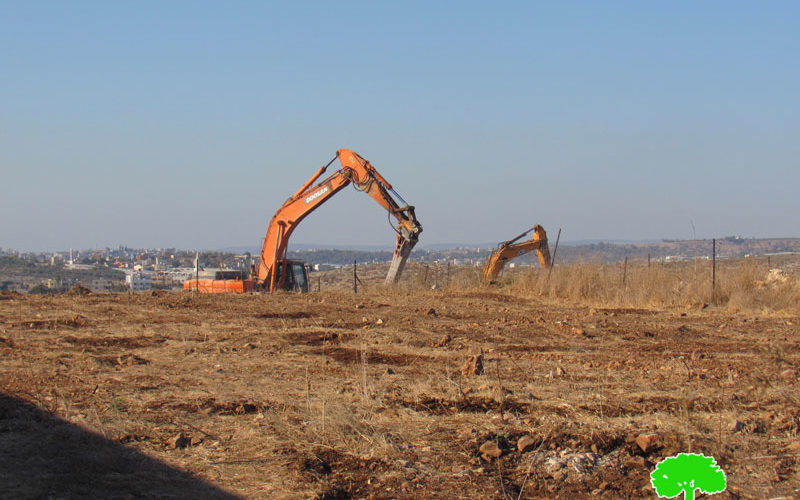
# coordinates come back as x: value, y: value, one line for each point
x: 750, y: 286
x: 744, y: 286
x: 336, y: 395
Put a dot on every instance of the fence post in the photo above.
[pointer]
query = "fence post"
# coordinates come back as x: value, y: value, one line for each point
x: 553, y: 258
x: 713, y: 267
x: 624, y: 271
x: 355, y: 277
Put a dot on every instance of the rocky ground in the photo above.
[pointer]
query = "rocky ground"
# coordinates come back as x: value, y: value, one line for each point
x: 446, y: 393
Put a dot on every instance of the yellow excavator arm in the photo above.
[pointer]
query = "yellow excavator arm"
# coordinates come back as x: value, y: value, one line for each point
x: 510, y: 249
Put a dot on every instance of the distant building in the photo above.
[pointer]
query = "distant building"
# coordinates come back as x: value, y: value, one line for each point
x: 324, y: 267
x: 138, y: 281
x: 102, y: 285
x: 180, y: 274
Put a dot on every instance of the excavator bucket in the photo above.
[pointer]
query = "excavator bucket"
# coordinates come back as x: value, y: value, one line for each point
x: 544, y: 253
x: 401, y: 253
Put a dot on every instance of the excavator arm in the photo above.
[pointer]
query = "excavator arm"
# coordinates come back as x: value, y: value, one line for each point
x: 364, y: 177
x: 510, y: 249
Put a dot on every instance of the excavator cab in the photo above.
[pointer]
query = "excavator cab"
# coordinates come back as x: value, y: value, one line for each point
x: 292, y: 276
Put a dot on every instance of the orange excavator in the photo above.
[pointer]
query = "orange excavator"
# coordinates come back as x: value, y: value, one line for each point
x: 507, y: 250
x: 275, y: 272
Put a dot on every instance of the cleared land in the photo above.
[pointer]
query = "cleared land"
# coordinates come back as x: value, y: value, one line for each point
x: 335, y: 395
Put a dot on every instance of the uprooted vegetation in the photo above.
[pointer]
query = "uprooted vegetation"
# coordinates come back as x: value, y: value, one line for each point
x: 379, y: 395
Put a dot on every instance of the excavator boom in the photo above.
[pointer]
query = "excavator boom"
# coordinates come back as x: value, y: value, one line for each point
x: 510, y: 249
x: 364, y: 177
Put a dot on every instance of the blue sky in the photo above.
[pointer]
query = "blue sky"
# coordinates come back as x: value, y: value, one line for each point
x: 187, y: 124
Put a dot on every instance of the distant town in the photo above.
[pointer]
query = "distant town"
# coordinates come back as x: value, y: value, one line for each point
x: 125, y: 269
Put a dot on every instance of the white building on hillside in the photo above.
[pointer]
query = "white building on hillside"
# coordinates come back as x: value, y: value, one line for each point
x: 138, y: 281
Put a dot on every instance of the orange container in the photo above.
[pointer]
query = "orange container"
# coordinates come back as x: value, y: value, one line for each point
x: 219, y: 286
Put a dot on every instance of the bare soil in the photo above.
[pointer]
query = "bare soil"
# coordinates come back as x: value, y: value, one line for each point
x: 334, y: 395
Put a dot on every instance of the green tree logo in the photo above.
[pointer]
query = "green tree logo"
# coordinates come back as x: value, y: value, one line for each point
x: 687, y: 472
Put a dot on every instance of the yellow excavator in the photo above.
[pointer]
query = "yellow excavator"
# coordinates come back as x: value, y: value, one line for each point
x: 507, y: 250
